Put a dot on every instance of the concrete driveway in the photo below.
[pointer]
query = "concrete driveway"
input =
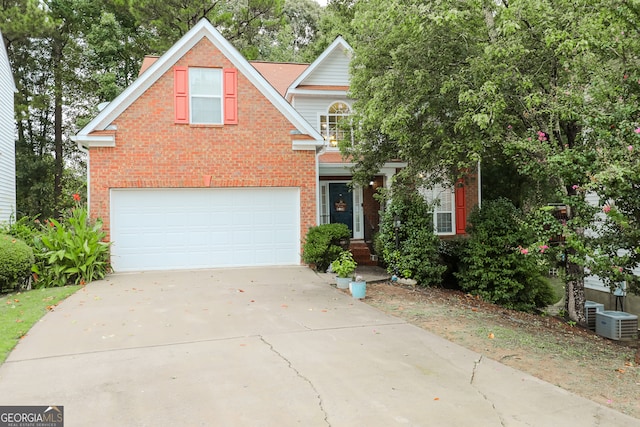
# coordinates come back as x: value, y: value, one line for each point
x: 264, y: 347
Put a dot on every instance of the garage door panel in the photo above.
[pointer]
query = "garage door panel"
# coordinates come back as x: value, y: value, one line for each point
x: 154, y: 229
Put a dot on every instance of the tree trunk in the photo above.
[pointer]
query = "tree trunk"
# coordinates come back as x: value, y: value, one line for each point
x: 57, y: 118
x: 574, y: 298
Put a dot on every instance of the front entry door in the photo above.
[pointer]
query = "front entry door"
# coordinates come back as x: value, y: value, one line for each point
x: 341, y: 204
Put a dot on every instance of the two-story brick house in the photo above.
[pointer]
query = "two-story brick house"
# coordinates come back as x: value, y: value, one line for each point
x: 207, y: 160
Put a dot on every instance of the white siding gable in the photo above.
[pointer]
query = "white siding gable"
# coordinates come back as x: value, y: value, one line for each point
x: 7, y: 138
x: 329, y: 73
x: 331, y: 68
x: 333, y: 71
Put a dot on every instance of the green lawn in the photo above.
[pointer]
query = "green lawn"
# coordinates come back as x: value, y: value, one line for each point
x: 21, y: 310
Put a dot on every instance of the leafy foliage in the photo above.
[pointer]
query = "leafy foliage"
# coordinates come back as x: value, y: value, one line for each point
x: 411, y: 250
x: 322, y: 244
x: 451, y: 252
x: 344, y: 265
x: 16, y: 259
x: 71, y: 251
x: 496, y: 262
x: 544, y: 92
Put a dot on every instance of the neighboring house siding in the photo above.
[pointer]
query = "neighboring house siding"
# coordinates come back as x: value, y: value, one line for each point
x: 334, y: 70
x: 153, y: 152
x: 593, y: 281
x: 7, y: 139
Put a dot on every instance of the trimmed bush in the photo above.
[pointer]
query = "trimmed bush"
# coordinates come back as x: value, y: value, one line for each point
x: 416, y: 254
x: 16, y: 260
x: 322, y: 244
x: 495, y: 262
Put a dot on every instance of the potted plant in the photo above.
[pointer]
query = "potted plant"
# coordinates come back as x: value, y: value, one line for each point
x: 358, y: 287
x: 344, y: 267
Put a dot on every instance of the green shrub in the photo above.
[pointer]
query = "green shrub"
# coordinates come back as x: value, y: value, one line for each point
x: 24, y: 229
x: 416, y: 254
x: 16, y: 260
x: 322, y: 244
x: 71, y: 251
x: 496, y: 264
x: 451, y: 252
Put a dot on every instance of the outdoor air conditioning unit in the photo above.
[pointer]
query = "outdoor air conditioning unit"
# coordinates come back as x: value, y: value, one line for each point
x: 616, y: 325
x: 590, y: 310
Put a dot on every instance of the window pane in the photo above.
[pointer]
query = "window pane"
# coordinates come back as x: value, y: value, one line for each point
x: 206, y: 110
x: 444, y: 223
x: 446, y: 201
x: 205, y: 81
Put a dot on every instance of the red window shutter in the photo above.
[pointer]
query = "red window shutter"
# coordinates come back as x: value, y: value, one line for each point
x: 181, y: 94
x: 461, y: 209
x: 230, y: 96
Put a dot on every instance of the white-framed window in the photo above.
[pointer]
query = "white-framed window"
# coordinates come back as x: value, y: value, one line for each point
x: 443, y: 200
x: 331, y: 124
x: 205, y: 93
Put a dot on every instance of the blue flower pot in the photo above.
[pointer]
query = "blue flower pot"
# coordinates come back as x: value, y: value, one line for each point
x: 358, y: 289
x: 343, y: 282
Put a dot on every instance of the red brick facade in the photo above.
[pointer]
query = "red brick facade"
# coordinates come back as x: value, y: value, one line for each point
x: 153, y: 152
x: 471, y: 183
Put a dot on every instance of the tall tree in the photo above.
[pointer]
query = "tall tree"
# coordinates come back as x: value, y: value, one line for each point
x: 24, y: 23
x: 336, y: 20
x: 240, y: 21
x: 448, y: 83
x: 613, y: 131
x: 297, y: 34
x: 407, y: 56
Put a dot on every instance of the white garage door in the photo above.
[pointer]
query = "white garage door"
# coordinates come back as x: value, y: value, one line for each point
x: 162, y: 229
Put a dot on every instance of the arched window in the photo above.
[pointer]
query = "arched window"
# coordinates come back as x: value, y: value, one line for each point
x: 331, y: 124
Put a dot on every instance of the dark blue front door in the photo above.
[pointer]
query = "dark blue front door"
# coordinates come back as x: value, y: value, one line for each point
x: 341, y: 204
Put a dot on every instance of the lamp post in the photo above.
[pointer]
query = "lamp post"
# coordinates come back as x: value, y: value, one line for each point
x: 396, y: 227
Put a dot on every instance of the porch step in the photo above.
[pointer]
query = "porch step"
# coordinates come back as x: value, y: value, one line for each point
x: 361, y: 253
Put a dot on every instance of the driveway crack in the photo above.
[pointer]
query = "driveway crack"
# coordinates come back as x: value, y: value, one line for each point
x: 476, y: 363
x: 475, y: 366
x: 299, y: 374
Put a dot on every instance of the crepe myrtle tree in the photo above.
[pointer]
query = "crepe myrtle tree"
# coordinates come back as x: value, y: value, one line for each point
x: 617, y: 185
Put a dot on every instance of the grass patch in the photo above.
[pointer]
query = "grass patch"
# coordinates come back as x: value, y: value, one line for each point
x: 21, y: 310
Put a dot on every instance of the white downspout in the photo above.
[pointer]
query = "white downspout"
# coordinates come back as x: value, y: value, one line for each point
x: 86, y: 151
x: 319, y: 152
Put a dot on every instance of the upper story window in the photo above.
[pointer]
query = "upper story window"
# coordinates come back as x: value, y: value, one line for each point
x: 205, y: 96
x: 332, y: 124
x: 443, y: 199
x: 205, y: 89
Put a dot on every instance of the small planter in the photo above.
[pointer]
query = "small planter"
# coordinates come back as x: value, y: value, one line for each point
x: 343, y: 282
x: 358, y: 289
